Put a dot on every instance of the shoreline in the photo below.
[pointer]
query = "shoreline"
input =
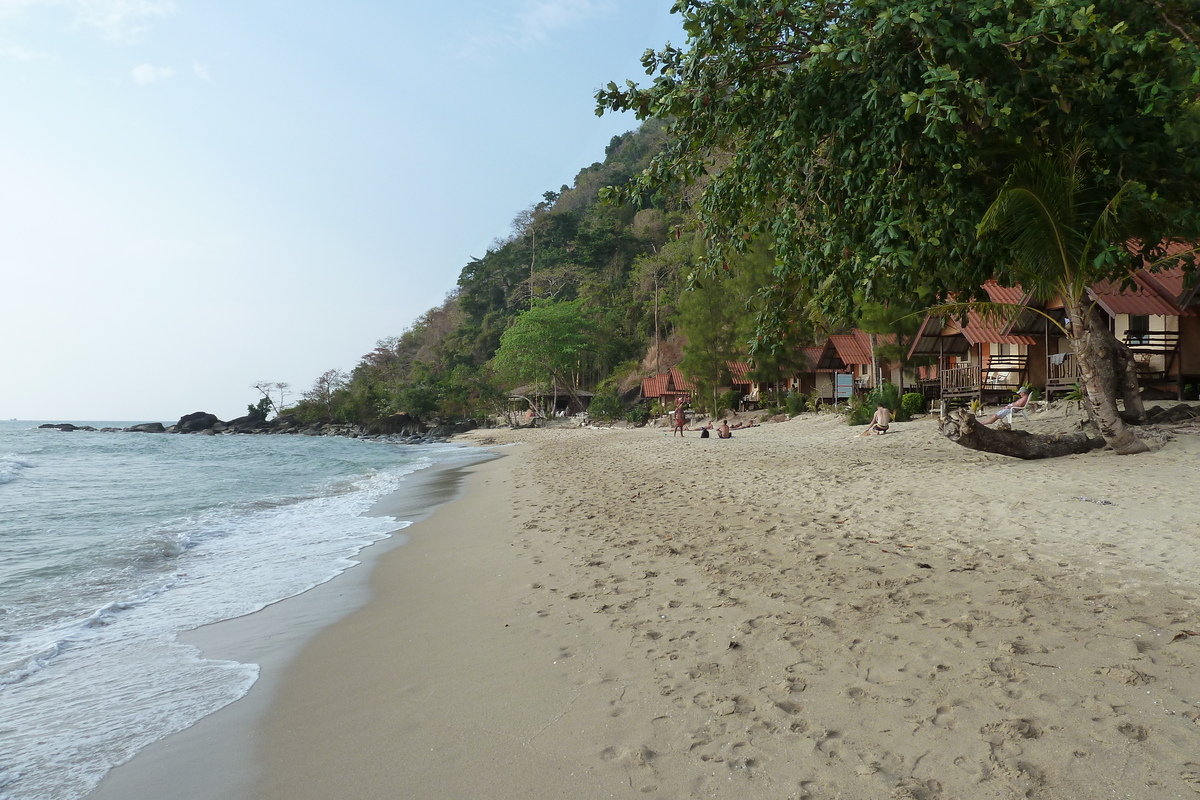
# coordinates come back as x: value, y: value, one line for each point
x: 796, y: 612
x: 213, y: 758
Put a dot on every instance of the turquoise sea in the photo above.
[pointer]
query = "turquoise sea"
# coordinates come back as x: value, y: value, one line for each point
x: 112, y: 544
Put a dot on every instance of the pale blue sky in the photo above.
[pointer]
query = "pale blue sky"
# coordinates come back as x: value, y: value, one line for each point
x: 195, y: 196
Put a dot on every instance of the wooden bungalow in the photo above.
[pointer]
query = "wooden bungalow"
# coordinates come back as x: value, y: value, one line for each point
x: 813, y: 379
x: 851, y: 354
x: 744, y: 385
x: 976, y: 358
x: 667, y: 387
x: 1157, y: 318
x: 1156, y: 314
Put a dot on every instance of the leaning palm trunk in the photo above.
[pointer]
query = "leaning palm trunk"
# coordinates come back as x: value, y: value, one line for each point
x: 1104, y: 370
x: 1065, y: 235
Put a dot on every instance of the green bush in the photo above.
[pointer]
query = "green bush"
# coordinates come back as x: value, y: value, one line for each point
x: 796, y: 403
x: 913, y: 403
x: 605, y: 405
x: 861, y: 409
x: 858, y: 412
x: 638, y: 416
x: 728, y: 400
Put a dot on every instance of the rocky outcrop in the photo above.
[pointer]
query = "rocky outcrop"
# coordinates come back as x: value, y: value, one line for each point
x: 196, y: 422
x: 397, y: 424
x: 251, y: 423
x: 446, y: 431
x: 398, y: 428
x: 146, y: 427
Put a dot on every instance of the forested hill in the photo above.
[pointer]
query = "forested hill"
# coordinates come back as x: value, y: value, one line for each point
x: 608, y: 275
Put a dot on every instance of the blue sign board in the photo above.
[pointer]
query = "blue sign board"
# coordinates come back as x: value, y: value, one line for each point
x: 843, y: 388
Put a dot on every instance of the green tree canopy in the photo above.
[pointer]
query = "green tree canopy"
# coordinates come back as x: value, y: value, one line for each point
x: 867, y: 137
x: 545, y: 345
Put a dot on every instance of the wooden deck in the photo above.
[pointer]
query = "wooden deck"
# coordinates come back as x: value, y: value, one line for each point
x: 1062, y: 375
x: 999, y: 380
x: 1156, y: 354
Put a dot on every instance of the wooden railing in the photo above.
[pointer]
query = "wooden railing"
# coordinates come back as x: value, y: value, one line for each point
x: 1005, y: 373
x: 1154, y: 352
x: 960, y: 381
x: 1062, y: 373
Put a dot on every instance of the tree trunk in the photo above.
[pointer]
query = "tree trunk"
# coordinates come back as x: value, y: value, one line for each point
x: 1098, y: 353
x: 961, y: 427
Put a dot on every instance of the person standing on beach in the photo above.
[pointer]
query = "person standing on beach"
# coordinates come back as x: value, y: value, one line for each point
x: 679, y: 417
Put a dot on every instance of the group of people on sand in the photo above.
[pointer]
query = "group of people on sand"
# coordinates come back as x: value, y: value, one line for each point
x: 723, y: 429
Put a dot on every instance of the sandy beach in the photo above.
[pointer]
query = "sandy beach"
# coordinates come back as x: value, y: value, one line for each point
x: 793, y: 613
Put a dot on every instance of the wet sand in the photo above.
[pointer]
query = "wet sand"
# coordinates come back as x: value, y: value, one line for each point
x: 215, y: 758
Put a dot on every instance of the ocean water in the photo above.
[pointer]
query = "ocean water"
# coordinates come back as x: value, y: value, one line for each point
x: 112, y: 544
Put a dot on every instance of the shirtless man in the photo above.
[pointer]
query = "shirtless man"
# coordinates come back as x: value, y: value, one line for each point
x: 723, y: 431
x: 678, y: 418
x: 1006, y: 412
x: 879, y: 422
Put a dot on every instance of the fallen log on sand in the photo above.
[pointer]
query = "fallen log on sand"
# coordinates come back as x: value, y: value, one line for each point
x: 961, y: 426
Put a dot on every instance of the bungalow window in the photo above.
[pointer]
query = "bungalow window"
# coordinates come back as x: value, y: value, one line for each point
x: 1139, y: 326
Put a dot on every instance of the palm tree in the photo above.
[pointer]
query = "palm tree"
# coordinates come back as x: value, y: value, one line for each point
x: 1065, y: 235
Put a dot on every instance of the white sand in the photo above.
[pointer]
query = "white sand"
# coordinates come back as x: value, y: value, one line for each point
x: 793, y: 613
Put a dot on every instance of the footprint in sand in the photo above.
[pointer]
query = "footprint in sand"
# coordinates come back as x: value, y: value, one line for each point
x: 944, y: 717
x: 1191, y: 776
x: 1137, y: 733
x: 829, y: 743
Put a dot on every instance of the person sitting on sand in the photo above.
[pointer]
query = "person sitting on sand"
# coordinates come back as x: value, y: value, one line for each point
x: 679, y: 417
x: 879, y: 422
x: 723, y: 431
x: 1007, y: 412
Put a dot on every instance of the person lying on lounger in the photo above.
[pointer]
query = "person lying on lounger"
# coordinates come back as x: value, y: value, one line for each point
x: 1007, y: 412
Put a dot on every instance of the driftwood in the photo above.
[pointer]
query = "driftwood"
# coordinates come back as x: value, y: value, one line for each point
x: 960, y: 426
x: 1169, y: 414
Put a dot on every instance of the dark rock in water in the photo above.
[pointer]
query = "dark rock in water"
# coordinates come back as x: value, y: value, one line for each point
x: 194, y: 423
x: 146, y: 427
x: 402, y: 424
x: 247, y: 424
x: 61, y: 426
x: 446, y: 431
x: 285, y: 423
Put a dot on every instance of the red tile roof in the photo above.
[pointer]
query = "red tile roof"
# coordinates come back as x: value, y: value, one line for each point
x: 739, y: 371
x: 1009, y: 295
x: 679, y: 383
x: 981, y: 331
x: 656, y: 385
x: 1171, y: 283
x: 812, y: 357
x: 851, y: 348
x: 1138, y: 300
